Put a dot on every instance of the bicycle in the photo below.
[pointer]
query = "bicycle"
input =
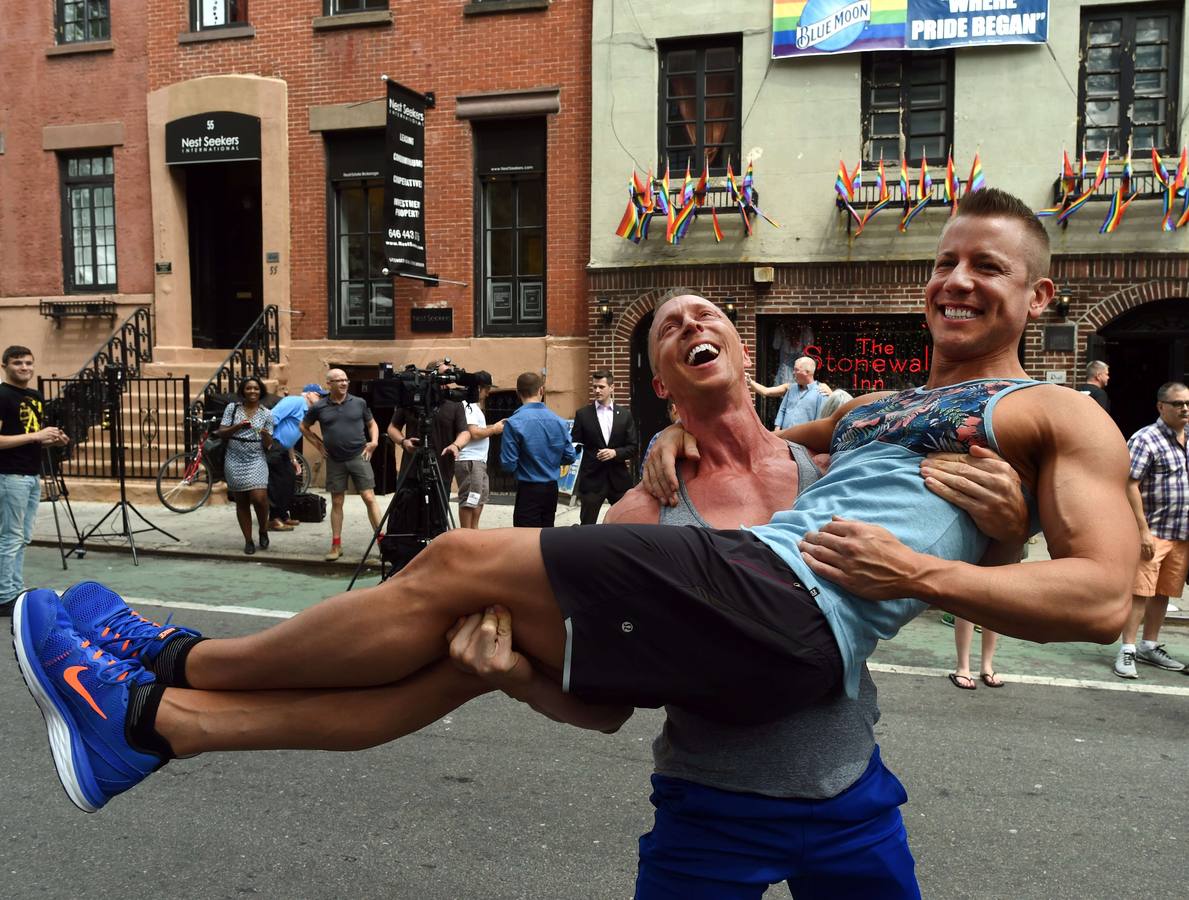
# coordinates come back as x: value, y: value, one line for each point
x: 184, y: 481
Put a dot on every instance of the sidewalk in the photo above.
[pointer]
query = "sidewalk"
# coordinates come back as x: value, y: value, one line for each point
x: 212, y: 532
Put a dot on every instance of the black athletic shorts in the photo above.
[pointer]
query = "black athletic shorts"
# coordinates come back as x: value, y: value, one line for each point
x: 712, y: 621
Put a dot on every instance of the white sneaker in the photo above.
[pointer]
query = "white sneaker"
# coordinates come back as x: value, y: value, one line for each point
x: 1158, y: 658
x: 1125, y: 664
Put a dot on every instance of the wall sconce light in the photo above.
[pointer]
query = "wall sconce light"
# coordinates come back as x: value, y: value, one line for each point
x: 1061, y: 305
x: 604, y: 310
x: 730, y: 310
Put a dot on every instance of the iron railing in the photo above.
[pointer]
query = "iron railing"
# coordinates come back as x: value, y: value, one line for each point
x: 257, y: 349
x: 143, y: 417
x: 128, y: 347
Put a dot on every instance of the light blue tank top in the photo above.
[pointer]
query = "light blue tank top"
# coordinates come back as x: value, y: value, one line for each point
x: 874, y: 477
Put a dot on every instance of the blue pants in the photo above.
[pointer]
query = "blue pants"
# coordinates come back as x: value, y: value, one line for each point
x: 708, y: 844
x: 19, y: 497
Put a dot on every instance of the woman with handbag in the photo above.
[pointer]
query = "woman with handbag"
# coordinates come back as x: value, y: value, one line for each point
x: 247, y: 430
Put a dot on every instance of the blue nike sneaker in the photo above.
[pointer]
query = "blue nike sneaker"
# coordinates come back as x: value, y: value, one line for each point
x: 83, y: 695
x: 101, y: 616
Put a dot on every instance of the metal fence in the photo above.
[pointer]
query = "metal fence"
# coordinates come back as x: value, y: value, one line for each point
x: 145, y: 418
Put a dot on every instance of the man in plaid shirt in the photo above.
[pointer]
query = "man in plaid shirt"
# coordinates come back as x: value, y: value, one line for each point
x: 1159, y: 493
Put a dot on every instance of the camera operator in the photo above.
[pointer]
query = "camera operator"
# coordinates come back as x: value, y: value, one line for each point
x: 448, y: 432
x: 22, y: 436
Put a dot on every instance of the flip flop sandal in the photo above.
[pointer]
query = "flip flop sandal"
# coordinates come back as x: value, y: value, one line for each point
x: 991, y: 680
x: 958, y: 681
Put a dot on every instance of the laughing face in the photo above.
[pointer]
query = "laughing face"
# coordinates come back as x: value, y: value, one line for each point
x: 693, y: 343
x: 983, y: 288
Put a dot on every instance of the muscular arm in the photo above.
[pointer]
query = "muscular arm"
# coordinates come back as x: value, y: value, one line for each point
x: 1083, y: 593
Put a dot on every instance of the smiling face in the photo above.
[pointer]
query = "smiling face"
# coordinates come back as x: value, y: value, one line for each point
x: 250, y: 391
x: 693, y: 347
x: 983, y: 290
x: 336, y: 380
x: 803, y: 370
x: 18, y: 371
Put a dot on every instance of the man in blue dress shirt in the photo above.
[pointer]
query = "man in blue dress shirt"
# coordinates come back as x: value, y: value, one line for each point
x: 803, y: 400
x: 283, y: 467
x: 536, y: 445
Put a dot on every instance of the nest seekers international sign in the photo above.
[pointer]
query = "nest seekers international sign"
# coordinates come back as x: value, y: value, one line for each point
x: 212, y: 137
x: 810, y: 27
x: 404, y: 187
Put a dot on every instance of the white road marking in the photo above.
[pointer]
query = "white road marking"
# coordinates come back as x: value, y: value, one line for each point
x: 134, y: 602
x: 1134, y: 687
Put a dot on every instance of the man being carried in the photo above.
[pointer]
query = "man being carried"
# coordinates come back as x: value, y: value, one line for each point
x: 735, y: 626
x: 814, y: 778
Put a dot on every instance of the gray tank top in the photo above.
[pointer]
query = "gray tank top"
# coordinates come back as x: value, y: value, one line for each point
x: 813, y: 754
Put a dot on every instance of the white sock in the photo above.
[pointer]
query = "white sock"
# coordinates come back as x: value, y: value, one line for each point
x: 1148, y: 645
x: 1128, y: 648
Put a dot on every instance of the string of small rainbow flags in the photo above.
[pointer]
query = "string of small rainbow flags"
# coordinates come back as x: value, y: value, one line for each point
x: 650, y: 198
x: 915, y: 196
x: 1073, y: 199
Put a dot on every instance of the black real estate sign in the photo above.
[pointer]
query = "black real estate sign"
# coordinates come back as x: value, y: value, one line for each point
x: 404, y: 186
x: 212, y: 137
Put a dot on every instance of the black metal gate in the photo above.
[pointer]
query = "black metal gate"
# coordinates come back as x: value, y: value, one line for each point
x: 105, y: 413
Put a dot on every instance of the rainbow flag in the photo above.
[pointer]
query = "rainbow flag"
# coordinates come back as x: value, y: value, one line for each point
x: 1069, y: 182
x: 977, y: 180
x: 885, y: 197
x: 630, y: 223
x: 750, y: 197
x: 1174, y: 188
x: 952, y: 184
x: 1099, y: 176
x: 923, y: 195
x: 737, y: 198
x: 1114, y: 215
x: 845, y: 185
x: 904, y: 195
x: 714, y: 222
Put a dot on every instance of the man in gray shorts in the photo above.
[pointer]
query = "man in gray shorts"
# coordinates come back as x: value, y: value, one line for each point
x: 348, y: 440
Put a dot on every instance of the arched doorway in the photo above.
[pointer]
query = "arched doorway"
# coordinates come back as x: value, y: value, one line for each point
x: 647, y: 408
x: 1144, y: 347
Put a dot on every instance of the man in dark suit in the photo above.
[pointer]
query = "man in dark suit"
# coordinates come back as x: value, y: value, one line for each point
x: 608, y: 438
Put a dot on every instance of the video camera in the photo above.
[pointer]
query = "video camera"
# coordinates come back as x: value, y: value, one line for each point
x: 422, y: 391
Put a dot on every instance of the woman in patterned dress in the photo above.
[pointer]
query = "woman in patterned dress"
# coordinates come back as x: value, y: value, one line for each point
x: 247, y: 429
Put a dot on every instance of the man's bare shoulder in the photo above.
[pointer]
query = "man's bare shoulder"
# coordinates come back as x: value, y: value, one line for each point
x: 636, y: 507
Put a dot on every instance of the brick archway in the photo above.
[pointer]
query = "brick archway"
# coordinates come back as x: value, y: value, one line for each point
x: 1110, y: 308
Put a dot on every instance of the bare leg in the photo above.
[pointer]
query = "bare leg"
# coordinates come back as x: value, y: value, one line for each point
x: 243, y: 514
x: 1131, y: 629
x: 383, y: 634
x: 987, y: 663
x: 352, y: 719
x: 336, y: 515
x: 468, y: 516
x: 260, y: 503
x: 963, y: 638
x: 1155, y: 609
x: 475, y: 520
x: 373, y: 509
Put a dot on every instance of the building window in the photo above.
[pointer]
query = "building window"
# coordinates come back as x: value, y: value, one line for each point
x: 510, y: 226
x: 337, y: 7
x: 361, y: 294
x: 88, y: 222
x: 208, y: 14
x: 700, y: 100
x: 1128, y: 78
x: 83, y: 20
x: 908, y: 107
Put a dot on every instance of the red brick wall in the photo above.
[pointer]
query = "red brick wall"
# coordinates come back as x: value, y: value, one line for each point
x: 86, y: 88
x: 429, y: 47
x: 1099, y: 288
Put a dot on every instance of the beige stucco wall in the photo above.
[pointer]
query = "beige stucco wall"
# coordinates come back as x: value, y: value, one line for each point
x: 61, y: 351
x: 1013, y: 104
x: 265, y: 98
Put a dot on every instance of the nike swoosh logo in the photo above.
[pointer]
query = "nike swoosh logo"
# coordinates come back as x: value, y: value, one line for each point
x: 71, y: 677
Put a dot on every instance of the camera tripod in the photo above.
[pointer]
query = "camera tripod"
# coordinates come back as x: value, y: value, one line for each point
x: 54, y: 487
x: 115, y: 376
x: 423, y: 503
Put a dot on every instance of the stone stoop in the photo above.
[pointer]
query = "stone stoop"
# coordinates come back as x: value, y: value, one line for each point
x: 140, y: 491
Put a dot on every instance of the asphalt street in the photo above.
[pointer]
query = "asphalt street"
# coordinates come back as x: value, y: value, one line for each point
x: 1036, y: 790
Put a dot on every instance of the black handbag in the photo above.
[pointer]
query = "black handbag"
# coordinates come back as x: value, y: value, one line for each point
x: 214, y: 451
